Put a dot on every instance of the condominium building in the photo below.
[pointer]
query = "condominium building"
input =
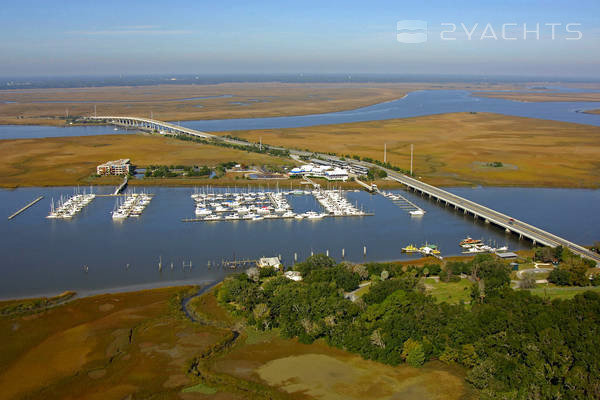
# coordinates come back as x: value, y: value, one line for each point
x: 116, y: 167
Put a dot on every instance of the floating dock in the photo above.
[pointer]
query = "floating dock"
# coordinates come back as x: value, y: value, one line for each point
x: 364, y: 214
x: 402, y: 202
x: 25, y: 208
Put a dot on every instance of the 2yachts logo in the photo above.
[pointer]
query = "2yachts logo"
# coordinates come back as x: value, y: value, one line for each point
x: 412, y: 31
x: 416, y: 31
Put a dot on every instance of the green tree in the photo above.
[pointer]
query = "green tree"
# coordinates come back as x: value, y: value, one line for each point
x: 262, y: 315
x: 412, y: 353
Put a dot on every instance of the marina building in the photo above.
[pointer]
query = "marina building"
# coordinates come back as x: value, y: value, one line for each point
x: 336, y: 174
x: 321, y: 171
x: 116, y: 167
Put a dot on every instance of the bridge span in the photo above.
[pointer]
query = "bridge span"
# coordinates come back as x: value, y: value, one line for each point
x: 509, y: 224
x: 152, y: 125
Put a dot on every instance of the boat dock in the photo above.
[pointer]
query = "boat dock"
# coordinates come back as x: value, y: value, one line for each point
x: 368, y: 188
x: 363, y: 214
x: 238, y: 263
x: 403, y: 202
x: 25, y: 208
x: 121, y: 187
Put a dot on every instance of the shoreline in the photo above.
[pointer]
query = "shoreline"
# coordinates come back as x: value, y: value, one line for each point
x: 80, y: 294
x: 209, y: 282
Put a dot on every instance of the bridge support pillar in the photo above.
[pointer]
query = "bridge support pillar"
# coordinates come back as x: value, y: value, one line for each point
x: 520, y: 236
x: 487, y: 221
x: 465, y: 211
x: 507, y: 230
x: 534, y: 242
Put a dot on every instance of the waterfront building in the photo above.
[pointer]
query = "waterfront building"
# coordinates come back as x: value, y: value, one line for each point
x: 266, y: 262
x: 293, y: 275
x: 116, y: 167
x: 320, y: 171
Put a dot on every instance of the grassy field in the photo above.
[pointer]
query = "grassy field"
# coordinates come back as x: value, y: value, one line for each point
x: 555, y: 292
x: 72, y: 160
x: 140, y: 345
x: 455, y: 149
x: 450, y: 292
x: 193, y: 102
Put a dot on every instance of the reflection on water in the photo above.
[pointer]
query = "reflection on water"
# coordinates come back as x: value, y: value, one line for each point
x: 46, y: 256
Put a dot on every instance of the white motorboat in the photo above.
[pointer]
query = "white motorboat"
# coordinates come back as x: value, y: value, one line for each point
x: 417, y: 213
x: 202, y: 211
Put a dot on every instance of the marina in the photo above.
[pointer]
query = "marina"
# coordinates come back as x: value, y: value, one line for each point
x: 126, y: 254
x: 218, y: 205
x: 132, y: 205
x: 67, y: 208
x: 475, y: 246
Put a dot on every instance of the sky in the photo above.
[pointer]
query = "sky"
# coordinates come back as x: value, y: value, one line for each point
x: 485, y: 37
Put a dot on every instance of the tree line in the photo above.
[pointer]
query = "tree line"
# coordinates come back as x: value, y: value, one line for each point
x: 514, y: 345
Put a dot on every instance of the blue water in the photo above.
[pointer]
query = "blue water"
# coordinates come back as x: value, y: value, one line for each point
x: 41, y: 256
x: 415, y: 104
x: 37, y: 131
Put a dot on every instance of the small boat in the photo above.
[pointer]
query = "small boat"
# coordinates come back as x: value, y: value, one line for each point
x: 473, y: 250
x: 202, y: 212
x: 469, y: 241
x: 417, y: 213
x: 410, y: 249
x: 429, y: 249
x: 119, y: 215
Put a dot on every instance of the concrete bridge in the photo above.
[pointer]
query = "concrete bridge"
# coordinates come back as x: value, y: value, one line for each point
x: 152, y: 125
x: 509, y: 224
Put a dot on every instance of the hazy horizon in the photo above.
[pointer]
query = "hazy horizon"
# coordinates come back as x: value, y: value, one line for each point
x: 536, y: 38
